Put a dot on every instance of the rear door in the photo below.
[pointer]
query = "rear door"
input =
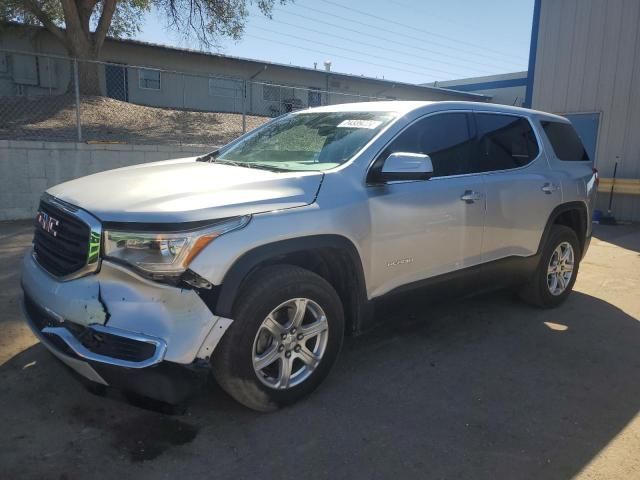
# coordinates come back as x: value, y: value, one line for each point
x: 521, y: 191
x: 426, y: 228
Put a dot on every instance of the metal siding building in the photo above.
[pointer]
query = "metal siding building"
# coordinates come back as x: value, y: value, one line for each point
x: 585, y: 64
x: 506, y: 88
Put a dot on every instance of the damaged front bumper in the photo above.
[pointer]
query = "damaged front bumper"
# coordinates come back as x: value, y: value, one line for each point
x: 116, y: 324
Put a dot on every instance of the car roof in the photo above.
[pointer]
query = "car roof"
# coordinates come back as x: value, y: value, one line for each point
x: 405, y: 106
x: 399, y: 106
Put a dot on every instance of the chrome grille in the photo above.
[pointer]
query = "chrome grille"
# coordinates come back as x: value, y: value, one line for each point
x: 63, y: 243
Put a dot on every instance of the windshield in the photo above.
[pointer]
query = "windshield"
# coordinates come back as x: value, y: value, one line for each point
x: 307, y: 141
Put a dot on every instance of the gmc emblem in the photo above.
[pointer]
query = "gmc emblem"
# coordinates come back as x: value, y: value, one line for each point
x: 47, y: 223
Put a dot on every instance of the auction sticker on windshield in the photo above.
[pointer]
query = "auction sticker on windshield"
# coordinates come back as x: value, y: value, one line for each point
x: 370, y: 124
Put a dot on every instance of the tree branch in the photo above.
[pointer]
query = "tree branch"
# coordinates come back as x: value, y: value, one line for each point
x: 42, y: 17
x: 108, y: 9
x: 71, y: 16
x: 85, y: 8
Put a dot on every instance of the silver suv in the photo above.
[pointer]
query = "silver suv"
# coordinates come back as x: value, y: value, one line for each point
x: 257, y: 259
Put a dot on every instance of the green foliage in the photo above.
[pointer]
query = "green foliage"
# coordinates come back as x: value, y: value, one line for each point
x: 207, y: 20
x: 124, y: 24
x: 126, y: 19
x: 18, y: 11
x: 204, y: 20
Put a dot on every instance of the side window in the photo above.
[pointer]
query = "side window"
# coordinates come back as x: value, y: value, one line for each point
x: 565, y: 141
x: 445, y: 137
x: 504, y: 142
x: 149, y: 79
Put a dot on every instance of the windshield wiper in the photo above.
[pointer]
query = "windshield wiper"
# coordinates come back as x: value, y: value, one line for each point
x: 257, y: 166
x: 207, y: 157
x: 229, y: 162
x: 262, y: 166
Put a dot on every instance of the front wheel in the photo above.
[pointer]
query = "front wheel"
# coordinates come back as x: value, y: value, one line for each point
x: 556, y: 274
x: 287, y: 332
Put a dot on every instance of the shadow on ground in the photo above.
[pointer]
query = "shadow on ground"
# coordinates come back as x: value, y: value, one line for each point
x: 625, y: 236
x: 481, y: 389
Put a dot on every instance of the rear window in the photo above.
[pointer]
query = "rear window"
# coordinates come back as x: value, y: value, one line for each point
x: 565, y: 141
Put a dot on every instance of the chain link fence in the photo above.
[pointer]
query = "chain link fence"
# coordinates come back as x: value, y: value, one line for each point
x: 55, y: 98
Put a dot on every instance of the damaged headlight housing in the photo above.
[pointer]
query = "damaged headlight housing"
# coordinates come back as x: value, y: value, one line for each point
x: 164, y: 255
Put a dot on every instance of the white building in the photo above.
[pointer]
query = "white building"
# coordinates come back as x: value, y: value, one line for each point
x: 161, y: 76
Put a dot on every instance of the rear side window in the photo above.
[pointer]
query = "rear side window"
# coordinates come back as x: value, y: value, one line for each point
x: 565, y: 141
x: 504, y: 142
x: 445, y: 137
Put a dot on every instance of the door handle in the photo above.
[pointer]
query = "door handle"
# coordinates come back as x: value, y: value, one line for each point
x: 549, y: 188
x: 469, y: 196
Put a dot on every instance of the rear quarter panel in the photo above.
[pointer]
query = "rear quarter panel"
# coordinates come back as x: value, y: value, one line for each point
x: 577, y: 178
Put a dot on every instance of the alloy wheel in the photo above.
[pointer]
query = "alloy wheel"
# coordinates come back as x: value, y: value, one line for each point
x: 560, y: 269
x: 290, y: 343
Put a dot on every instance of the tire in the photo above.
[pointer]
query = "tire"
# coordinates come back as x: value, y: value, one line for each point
x: 270, y: 292
x: 538, y: 292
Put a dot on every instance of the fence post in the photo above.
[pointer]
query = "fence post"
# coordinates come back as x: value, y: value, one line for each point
x: 49, y: 73
x: 244, y: 106
x: 184, y: 93
x: 77, y: 91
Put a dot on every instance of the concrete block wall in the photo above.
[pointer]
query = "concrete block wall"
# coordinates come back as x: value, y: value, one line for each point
x: 28, y: 168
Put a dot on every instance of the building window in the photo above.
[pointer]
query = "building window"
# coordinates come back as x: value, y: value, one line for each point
x: 25, y: 69
x: 224, y: 87
x: 271, y: 93
x: 149, y: 79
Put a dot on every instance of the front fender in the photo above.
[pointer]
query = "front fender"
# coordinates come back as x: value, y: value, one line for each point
x: 228, y: 290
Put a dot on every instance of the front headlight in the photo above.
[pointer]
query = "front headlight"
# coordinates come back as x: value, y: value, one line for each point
x: 164, y: 254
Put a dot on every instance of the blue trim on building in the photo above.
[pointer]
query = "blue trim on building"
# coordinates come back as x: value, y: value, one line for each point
x: 533, y: 52
x: 472, y: 87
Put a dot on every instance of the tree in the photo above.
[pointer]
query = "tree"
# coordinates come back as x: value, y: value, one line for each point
x: 82, y: 25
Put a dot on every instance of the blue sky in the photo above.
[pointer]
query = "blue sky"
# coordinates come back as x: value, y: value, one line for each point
x: 401, y: 40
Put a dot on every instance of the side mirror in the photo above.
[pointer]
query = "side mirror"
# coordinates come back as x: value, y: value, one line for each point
x: 406, y: 166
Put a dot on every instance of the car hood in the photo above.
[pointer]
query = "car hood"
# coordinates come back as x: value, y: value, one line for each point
x: 184, y: 190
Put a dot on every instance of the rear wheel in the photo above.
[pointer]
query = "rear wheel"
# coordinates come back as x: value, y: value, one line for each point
x: 286, y: 335
x: 556, y: 274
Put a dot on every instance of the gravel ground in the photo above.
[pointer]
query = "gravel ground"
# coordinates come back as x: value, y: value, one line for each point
x: 105, y: 119
x: 481, y: 388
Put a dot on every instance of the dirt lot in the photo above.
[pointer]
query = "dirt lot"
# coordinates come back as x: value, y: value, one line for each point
x: 108, y: 120
x: 485, y: 388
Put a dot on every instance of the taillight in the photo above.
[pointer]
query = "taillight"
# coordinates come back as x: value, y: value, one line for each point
x: 597, y: 175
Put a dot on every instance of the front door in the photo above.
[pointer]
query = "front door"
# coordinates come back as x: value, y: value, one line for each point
x: 117, y: 82
x: 421, y: 229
